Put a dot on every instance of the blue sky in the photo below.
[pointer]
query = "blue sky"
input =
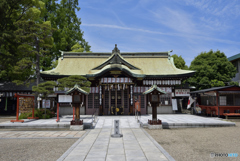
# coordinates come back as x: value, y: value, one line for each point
x: 188, y: 27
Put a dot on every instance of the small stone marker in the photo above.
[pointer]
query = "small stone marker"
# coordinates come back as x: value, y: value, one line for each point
x: 116, y: 130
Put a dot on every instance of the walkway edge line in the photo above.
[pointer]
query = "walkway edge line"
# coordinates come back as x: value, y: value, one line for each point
x: 72, y: 147
x: 167, y: 155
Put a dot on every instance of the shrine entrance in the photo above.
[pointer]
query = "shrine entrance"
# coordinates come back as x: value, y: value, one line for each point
x: 116, y: 102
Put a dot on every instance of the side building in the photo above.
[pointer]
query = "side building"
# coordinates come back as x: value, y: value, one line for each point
x: 118, y: 79
x: 235, y: 60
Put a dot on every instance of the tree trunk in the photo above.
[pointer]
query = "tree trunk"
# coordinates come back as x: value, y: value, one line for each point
x: 37, y: 72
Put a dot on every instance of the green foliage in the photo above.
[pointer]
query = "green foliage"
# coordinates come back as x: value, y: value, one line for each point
x: 234, y: 83
x: 45, y: 88
x: 212, y: 69
x: 77, y: 48
x: 25, y: 115
x: 26, y: 28
x: 72, y: 80
x: 179, y: 62
x: 11, y: 12
x: 35, y: 39
x: 217, y: 83
x: 40, y: 113
x: 63, y: 18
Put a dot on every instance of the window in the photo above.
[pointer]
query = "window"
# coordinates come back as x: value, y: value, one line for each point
x: 208, y: 100
x: 166, y: 99
x: 90, y: 100
x: 96, y: 100
x: 106, y: 98
x: 125, y: 98
x: 222, y: 100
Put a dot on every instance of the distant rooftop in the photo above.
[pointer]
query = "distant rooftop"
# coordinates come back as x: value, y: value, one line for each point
x: 234, y: 57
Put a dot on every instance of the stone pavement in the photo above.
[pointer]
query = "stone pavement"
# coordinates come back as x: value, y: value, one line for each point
x: 126, y: 122
x: 135, y: 145
x: 40, y: 134
x: 186, y: 121
x: 168, y: 121
x: 46, y: 123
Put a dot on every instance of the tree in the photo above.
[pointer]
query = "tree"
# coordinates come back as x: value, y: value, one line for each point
x: 64, y: 19
x: 12, y: 11
x: 45, y: 89
x: 212, y: 69
x: 35, y: 38
x: 70, y: 81
x: 179, y: 62
x: 77, y: 48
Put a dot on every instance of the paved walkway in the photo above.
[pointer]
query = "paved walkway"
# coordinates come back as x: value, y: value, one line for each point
x: 107, y: 122
x: 186, y: 121
x: 135, y: 145
x: 168, y: 121
x: 46, y: 123
x: 40, y: 134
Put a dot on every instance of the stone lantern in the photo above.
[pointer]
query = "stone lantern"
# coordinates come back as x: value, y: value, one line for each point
x: 153, y: 95
x: 76, y: 92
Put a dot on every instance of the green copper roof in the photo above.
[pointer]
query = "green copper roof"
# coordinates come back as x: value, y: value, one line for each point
x: 234, y: 57
x: 153, y: 88
x: 77, y: 88
x: 140, y: 65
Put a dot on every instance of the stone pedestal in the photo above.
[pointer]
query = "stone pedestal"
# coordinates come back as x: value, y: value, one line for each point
x: 76, y: 127
x: 76, y: 122
x: 116, y: 130
x: 154, y: 126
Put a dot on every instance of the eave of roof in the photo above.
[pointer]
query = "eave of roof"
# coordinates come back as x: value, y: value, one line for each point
x: 154, y: 87
x: 234, y: 57
x: 212, y: 89
x: 140, y: 65
x: 77, y: 88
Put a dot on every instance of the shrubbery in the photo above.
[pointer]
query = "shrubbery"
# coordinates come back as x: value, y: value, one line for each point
x: 40, y: 113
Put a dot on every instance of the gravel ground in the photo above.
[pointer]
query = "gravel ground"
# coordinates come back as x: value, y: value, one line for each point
x: 33, y: 149
x: 197, y: 143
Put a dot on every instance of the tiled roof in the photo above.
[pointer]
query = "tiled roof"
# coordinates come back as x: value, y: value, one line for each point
x: 143, y: 64
x: 213, y: 89
x: 77, y: 88
x: 153, y: 88
x: 234, y: 57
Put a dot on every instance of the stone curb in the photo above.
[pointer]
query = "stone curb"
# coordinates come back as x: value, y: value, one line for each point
x: 72, y: 147
x: 167, y: 155
x: 45, y: 138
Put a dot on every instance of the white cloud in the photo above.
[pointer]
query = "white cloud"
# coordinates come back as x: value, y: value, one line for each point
x: 217, y: 7
x: 189, y: 36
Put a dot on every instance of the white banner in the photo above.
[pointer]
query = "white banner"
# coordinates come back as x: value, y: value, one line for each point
x: 174, y: 104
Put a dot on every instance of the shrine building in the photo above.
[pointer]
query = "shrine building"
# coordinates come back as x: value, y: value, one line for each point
x: 119, y: 79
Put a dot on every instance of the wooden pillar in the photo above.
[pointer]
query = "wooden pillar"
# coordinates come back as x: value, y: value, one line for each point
x: 17, y: 108
x: 115, y: 101
x: 217, y: 100
x: 74, y: 112
x: 57, y: 112
x: 109, y: 102
x: 154, y: 111
x: 77, y: 112
x: 17, y: 112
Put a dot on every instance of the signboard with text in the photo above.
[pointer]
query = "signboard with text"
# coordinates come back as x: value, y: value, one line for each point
x: 45, y: 103
x: 182, y: 92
